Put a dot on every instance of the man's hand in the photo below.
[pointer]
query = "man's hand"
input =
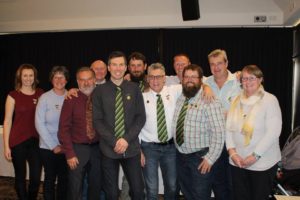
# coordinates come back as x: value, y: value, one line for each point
x: 208, y: 95
x: 121, y: 146
x: 143, y: 159
x: 73, y: 92
x: 73, y: 162
x: 204, y: 166
x: 127, y: 77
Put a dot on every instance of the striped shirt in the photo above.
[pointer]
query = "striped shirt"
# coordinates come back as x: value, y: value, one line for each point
x: 204, y: 126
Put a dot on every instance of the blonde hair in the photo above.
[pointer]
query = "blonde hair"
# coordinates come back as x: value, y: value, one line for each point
x: 218, y: 52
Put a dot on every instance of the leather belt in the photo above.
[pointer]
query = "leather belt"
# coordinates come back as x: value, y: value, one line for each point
x: 171, y: 141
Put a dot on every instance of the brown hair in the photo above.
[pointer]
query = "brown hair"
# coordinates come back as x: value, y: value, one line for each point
x: 194, y: 67
x: 254, y: 70
x: 18, y: 78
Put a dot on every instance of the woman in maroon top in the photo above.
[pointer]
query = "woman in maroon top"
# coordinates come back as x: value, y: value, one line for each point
x: 19, y: 133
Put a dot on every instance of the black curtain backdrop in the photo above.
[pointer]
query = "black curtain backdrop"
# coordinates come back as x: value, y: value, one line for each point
x: 270, y: 48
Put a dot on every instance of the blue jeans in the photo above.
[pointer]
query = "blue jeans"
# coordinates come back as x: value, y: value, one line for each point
x: 194, y: 185
x: 222, y: 183
x: 164, y: 156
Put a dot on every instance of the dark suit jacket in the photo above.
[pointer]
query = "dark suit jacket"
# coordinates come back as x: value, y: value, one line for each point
x: 104, y: 117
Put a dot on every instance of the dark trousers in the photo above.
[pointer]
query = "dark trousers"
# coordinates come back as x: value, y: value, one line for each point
x: 193, y: 184
x: 252, y: 185
x: 89, y: 162
x: 27, y: 151
x: 133, y: 172
x: 222, y: 183
x: 55, y: 167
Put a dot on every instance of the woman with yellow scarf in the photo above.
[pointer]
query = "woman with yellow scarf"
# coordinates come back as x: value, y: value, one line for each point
x: 253, y: 128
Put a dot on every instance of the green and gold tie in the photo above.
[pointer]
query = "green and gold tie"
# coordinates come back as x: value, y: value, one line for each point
x: 180, y: 123
x: 119, y: 115
x: 161, y: 120
x: 142, y: 86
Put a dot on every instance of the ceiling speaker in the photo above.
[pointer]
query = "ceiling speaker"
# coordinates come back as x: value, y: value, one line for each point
x: 190, y: 10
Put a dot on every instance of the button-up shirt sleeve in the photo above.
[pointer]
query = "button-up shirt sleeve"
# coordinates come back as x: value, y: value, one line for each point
x: 65, y: 129
x: 216, y: 125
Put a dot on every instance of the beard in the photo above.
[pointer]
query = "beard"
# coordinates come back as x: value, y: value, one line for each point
x: 87, y: 90
x: 190, y: 91
x: 136, y: 76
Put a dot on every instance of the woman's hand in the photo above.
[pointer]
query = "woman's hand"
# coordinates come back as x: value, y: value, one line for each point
x: 237, y: 160
x: 7, y: 153
x: 249, y: 160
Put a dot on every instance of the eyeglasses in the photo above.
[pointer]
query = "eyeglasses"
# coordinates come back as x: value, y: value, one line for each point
x: 250, y: 79
x: 191, y: 77
x: 159, y: 77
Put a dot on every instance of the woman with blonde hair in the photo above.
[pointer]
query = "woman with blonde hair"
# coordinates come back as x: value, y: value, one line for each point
x: 20, y: 137
x: 252, y: 137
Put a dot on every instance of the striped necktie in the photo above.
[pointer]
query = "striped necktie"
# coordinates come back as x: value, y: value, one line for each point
x: 161, y: 120
x: 142, y: 86
x: 119, y: 115
x: 180, y: 123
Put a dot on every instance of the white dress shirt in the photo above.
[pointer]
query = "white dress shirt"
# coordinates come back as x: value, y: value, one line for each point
x: 169, y: 95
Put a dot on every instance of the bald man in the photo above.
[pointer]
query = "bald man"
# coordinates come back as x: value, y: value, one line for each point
x: 100, y: 69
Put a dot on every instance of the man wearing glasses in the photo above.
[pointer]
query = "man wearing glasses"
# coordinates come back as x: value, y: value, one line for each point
x: 199, y: 129
x: 157, y: 142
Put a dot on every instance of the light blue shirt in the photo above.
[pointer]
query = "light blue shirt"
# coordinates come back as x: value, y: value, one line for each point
x: 229, y: 90
x: 47, y: 119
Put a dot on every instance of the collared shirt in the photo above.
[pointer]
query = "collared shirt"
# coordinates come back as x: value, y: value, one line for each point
x: 104, y: 117
x: 101, y: 82
x: 229, y: 90
x: 172, y: 80
x: 204, y: 126
x: 47, y: 118
x: 72, y: 124
x: 169, y: 95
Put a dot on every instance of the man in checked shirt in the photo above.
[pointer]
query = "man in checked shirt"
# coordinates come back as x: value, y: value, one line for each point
x: 199, y: 129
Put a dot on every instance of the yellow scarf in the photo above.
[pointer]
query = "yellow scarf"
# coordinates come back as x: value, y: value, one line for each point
x: 239, y: 121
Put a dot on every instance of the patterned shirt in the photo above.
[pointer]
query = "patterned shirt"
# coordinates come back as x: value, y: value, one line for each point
x: 204, y: 126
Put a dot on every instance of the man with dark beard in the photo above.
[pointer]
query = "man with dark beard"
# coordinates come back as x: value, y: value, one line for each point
x: 199, y: 129
x: 137, y: 66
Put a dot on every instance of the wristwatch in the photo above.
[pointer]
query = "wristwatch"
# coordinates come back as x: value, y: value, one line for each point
x: 257, y: 157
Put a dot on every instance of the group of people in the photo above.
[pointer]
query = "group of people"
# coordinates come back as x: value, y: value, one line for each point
x: 217, y: 133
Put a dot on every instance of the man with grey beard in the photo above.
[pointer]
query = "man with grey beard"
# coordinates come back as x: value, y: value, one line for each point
x: 199, y: 129
x: 78, y: 139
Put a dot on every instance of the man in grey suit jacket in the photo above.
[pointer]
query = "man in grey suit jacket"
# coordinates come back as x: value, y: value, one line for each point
x: 116, y: 149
